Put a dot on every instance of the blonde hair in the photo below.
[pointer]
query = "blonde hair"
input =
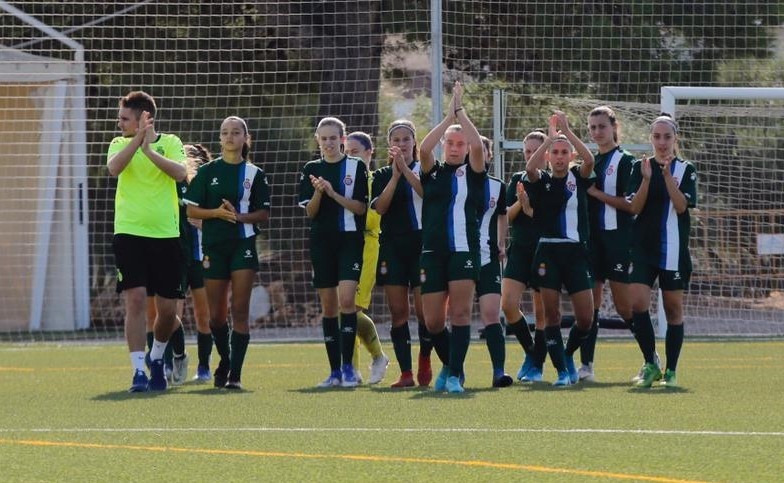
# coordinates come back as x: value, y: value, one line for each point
x: 333, y: 121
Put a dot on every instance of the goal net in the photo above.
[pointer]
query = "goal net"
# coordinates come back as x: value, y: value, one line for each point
x: 283, y: 65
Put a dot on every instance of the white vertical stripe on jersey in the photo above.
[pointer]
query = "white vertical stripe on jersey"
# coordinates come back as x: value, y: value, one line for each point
x: 609, y: 214
x: 671, y: 248
x: 492, y: 192
x: 416, y: 199
x: 459, y: 223
x: 570, y: 216
x: 349, y: 222
x: 247, y: 182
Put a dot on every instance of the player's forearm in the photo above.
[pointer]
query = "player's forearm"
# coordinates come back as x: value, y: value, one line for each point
x: 384, y: 200
x: 200, y: 213
x: 313, y: 206
x: 355, y: 206
x: 413, y: 180
x: 638, y: 202
x: 173, y: 169
x: 119, y: 161
x: 513, y: 211
x: 258, y: 216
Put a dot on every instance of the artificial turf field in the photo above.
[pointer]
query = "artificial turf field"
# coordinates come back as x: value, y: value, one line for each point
x: 67, y: 417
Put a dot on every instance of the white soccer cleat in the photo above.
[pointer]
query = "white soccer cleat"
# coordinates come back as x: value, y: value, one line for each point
x: 585, y: 372
x: 179, y: 370
x: 378, y: 369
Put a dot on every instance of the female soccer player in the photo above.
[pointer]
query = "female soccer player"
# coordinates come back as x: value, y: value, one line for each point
x: 397, y: 196
x: 611, y: 225
x: 662, y: 190
x: 333, y: 190
x: 231, y: 211
x: 360, y: 145
x: 560, y: 205
x: 449, y: 266
x: 517, y: 273
x: 492, y: 250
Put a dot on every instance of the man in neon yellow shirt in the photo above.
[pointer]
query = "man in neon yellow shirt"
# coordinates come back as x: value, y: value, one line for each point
x: 146, y: 230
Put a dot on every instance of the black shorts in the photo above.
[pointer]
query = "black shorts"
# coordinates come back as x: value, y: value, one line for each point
x: 336, y: 257
x: 154, y: 263
x: 398, y: 261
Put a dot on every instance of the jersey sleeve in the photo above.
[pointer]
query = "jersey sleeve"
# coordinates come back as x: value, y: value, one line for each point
x: 635, y: 179
x: 534, y: 189
x: 688, y: 185
x: 585, y: 183
x: 511, y: 190
x: 361, y: 189
x: 260, y: 192
x: 196, y: 192
x: 175, y: 151
x: 305, y: 186
x: 500, y: 206
x: 624, y: 173
x: 378, y: 184
x: 117, y: 145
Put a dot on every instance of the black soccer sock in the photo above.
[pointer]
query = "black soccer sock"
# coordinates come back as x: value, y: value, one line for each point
x: 673, y: 342
x: 220, y: 335
x: 348, y: 336
x: 425, y: 340
x: 555, y: 347
x: 540, y: 348
x: 441, y: 345
x: 496, y: 346
x: 401, y: 343
x: 458, y: 348
x: 643, y: 331
x: 150, y: 339
x: 577, y: 338
x: 204, y: 345
x: 331, y: 329
x: 523, y: 334
x: 177, y: 341
x: 588, y: 348
x: 239, y: 346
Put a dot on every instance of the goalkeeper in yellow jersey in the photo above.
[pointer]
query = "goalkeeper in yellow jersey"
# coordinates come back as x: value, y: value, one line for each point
x: 360, y: 145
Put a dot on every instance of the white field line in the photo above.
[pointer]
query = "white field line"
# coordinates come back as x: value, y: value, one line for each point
x: 663, y: 432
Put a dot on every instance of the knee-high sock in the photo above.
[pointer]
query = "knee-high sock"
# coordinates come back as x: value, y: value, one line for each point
x: 458, y: 348
x: 523, y: 334
x: 425, y: 340
x: 496, y: 346
x: 239, y: 346
x: 367, y: 334
x: 673, y: 343
x: 577, y: 337
x: 643, y: 331
x: 587, y: 350
x: 348, y: 335
x: 401, y: 342
x: 331, y: 329
x: 441, y: 345
x: 177, y: 341
x: 555, y: 348
x: 540, y: 348
x: 220, y: 336
x: 204, y: 345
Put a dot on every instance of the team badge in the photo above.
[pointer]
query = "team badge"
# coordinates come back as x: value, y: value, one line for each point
x: 542, y: 269
x: 677, y: 276
x: 347, y: 180
x: 160, y: 150
x: 571, y: 186
x: 469, y: 264
x: 492, y: 202
x: 422, y: 276
x: 383, y: 268
x: 246, y: 184
x: 610, y: 170
x: 677, y: 180
x: 460, y: 172
x: 206, y: 262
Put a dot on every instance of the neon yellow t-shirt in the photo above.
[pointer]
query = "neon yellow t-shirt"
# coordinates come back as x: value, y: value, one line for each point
x: 145, y: 203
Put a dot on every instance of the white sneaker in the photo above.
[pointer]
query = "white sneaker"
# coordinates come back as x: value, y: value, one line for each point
x: 333, y: 380
x: 179, y: 370
x: 641, y: 375
x: 585, y: 372
x: 378, y: 369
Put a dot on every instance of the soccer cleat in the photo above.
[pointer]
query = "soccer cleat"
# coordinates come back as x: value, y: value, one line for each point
x: 639, y: 375
x: 424, y: 371
x: 157, y: 376
x: 349, y: 376
x: 534, y: 375
x: 528, y: 363
x: 573, y: 377
x: 669, y: 379
x: 453, y: 385
x: 139, y: 383
x: 502, y: 380
x: 235, y: 385
x: 179, y: 370
x: 168, y: 371
x: 440, y: 384
x: 333, y: 380
x: 585, y: 373
x: 650, y: 373
x: 378, y: 369
x: 221, y: 375
x: 406, y: 380
x: 564, y: 379
x: 202, y: 374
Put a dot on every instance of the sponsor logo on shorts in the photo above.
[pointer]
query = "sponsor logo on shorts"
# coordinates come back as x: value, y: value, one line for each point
x: 422, y: 275
x: 214, y: 182
x: 542, y: 269
x: 383, y: 268
x: 248, y: 254
x: 347, y: 180
x: 618, y: 268
x: 498, y: 279
x: 355, y: 267
x: 246, y: 184
x: 469, y: 264
x: 547, y: 186
x: 677, y: 276
x: 206, y: 262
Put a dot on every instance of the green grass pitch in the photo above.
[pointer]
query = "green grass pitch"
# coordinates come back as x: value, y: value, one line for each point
x: 67, y: 417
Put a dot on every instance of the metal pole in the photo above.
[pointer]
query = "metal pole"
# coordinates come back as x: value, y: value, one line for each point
x: 436, y: 62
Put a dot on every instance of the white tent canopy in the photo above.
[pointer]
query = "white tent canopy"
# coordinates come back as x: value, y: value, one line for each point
x: 43, y: 194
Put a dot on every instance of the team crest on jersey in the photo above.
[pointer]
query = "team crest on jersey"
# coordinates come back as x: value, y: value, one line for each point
x: 206, y: 262
x: 677, y: 180
x: 422, y: 275
x: 492, y: 202
x: 246, y: 184
x: 542, y: 269
x: 571, y: 186
x: 347, y: 180
x: 383, y: 268
x: 610, y: 170
x: 460, y: 172
x: 160, y: 150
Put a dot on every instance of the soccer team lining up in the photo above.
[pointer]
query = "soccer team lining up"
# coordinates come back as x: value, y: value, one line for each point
x: 423, y: 229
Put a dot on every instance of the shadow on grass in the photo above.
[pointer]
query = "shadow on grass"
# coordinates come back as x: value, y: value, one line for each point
x: 127, y: 396
x: 659, y: 390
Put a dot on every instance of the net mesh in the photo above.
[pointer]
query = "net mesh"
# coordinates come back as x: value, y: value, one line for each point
x: 283, y: 65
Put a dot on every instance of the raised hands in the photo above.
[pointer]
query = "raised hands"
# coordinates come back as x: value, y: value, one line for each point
x: 146, y: 130
x: 397, y: 161
x: 322, y: 186
x: 645, y: 167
